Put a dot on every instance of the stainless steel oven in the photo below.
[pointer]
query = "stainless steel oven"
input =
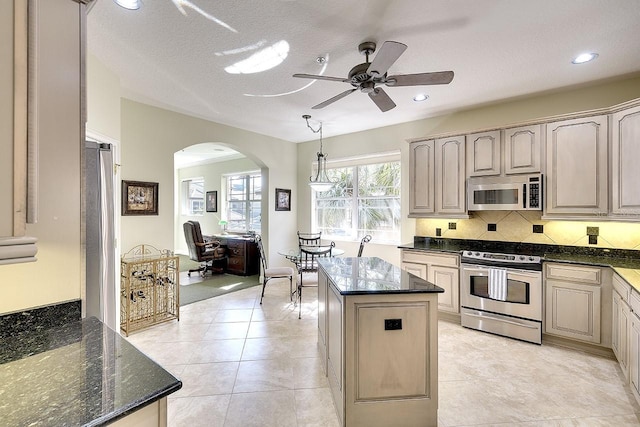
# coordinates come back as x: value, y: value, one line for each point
x: 502, y: 294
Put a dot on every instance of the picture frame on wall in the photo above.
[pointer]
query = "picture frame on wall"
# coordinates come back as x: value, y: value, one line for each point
x: 212, y: 201
x: 283, y: 199
x: 139, y: 198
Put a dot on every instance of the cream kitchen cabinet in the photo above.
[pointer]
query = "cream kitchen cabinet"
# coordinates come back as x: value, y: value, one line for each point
x: 621, y: 323
x: 625, y: 173
x: 573, y: 295
x: 634, y: 345
x: 437, y: 178
x: 438, y: 268
x: 576, y: 168
x: 522, y: 149
x: 483, y: 154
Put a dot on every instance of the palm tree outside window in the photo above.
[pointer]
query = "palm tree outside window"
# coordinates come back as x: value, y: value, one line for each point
x: 364, y: 200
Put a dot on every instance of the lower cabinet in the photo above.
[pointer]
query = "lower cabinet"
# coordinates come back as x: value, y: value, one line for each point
x: 634, y: 346
x: 439, y: 268
x: 621, y: 323
x: 573, y: 296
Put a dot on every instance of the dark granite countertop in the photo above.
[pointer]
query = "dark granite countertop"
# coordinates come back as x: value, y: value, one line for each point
x: 354, y: 276
x: 625, y: 262
x: 79, y: 374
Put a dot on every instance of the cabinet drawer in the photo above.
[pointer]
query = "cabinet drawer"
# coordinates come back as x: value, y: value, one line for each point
x: 634, y: 302
x: 572, y: 273
x: 621, y: 287
x: 418, y: 257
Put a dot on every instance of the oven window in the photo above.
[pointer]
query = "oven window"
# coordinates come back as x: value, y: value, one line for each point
x: 517, y: 291
x: 507, y: 196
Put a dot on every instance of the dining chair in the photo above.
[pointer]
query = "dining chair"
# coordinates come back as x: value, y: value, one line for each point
x: 307, y: 262
x: 365, y: 239
x: 273, y: 273
x: 309, y: 239
x: 209, y: 253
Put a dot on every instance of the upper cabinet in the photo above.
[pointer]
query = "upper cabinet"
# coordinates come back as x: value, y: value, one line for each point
x: 522, y: 148
x: 483, y: 153
x: 625, y: 173
x: 437, y: 178
x: 577, y: 167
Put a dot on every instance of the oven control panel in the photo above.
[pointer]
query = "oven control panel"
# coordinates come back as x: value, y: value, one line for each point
x: 501, y: 258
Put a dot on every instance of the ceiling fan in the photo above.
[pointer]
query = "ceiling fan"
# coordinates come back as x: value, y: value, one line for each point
x: 368, y: 75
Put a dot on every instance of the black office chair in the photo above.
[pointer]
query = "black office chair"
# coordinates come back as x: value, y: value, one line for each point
x: 307, y: 262
x: 273, y: 273
x: 365, y: 239
x: 209, y: 253
x: 309, y: 239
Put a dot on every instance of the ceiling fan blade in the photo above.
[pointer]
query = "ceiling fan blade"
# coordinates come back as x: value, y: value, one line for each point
x: 315, y: 77
x: 421, y: 79
x: 334, y: 99
x: 386, y: 56
x: 381, y: 99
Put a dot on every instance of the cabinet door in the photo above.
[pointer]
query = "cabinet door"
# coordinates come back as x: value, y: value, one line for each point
x: 577, y: 167
x: 625, y: 152
x: 450, y: 175
x: 449, y: 279
x: 335, y: 362
x: 322, y: 317
x: 634, y: 355
x: 483, y: 153
x: 620, y: 332
x: 421, y: 177
x: 522, y: 149
x: 419, y: 270
x: 573, y: 310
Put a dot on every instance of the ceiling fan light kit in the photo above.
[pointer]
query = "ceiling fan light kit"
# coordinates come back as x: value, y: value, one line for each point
x: 369, y: 75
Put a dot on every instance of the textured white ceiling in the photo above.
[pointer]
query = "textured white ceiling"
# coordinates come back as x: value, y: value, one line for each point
x: 498, y: 49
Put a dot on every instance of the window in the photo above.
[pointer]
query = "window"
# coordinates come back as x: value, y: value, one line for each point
x: 243, y: 206
x: 365, y: 200
x: 193, y: 196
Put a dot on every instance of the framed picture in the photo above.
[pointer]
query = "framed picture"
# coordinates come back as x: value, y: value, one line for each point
x: 283, y: 199
x: 139, y: 198
x: 212, y: 201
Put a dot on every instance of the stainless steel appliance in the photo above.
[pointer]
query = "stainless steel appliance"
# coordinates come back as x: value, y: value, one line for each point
x: 502, y: 294
x: 513, y: 193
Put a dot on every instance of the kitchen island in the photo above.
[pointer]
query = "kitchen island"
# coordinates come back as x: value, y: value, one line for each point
x: 80, y: 374
x: 378, y: 339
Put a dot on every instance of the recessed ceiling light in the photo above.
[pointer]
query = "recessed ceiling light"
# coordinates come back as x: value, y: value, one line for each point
x: 584, y: 57
x: 421, y: 97
x: 129, y: 4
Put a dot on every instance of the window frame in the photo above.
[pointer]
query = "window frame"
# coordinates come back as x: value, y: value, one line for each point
x: 249, y: 177
x: 355, y: 162
x: 186, y: 201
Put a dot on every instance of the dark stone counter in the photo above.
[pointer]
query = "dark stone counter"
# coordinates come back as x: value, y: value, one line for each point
x: 625, y: 262
x: 79, y: 373
x: 356, y: 276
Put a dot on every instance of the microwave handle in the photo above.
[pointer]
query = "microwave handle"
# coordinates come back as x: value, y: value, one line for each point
x: 524, y: 196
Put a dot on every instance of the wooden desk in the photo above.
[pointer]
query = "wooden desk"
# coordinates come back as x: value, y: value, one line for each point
x: 242, y: 252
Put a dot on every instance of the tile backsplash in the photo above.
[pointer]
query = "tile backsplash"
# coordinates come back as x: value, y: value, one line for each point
x: 517, y: 226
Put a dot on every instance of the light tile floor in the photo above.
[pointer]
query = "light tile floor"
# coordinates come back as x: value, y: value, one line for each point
x: 246, y: 364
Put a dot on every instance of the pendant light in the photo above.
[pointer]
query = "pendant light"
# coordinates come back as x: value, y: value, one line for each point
x: 321, y: 182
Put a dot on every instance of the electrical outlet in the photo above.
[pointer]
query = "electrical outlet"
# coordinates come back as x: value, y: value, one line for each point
x: 538, y: 228
x: 438, y: 232
x: 593, y: 239
x: 452, y: 226
x: 492, y: 227
x: 392, y: 324
x: 593, y: 231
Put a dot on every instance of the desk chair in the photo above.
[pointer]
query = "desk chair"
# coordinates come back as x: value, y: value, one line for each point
x: 211, y: 256
x: 365, y: 239
x: 273, y: 273
x: 307, y: 262
x: 309, y: 239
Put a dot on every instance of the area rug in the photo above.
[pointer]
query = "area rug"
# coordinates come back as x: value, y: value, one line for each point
x: 215, y: 286
x: 186, y: 263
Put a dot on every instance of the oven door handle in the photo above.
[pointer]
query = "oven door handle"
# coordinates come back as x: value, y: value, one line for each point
x: 511, y: 322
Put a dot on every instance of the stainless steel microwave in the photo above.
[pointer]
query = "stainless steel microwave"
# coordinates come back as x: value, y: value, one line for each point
x: 512, y: 193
